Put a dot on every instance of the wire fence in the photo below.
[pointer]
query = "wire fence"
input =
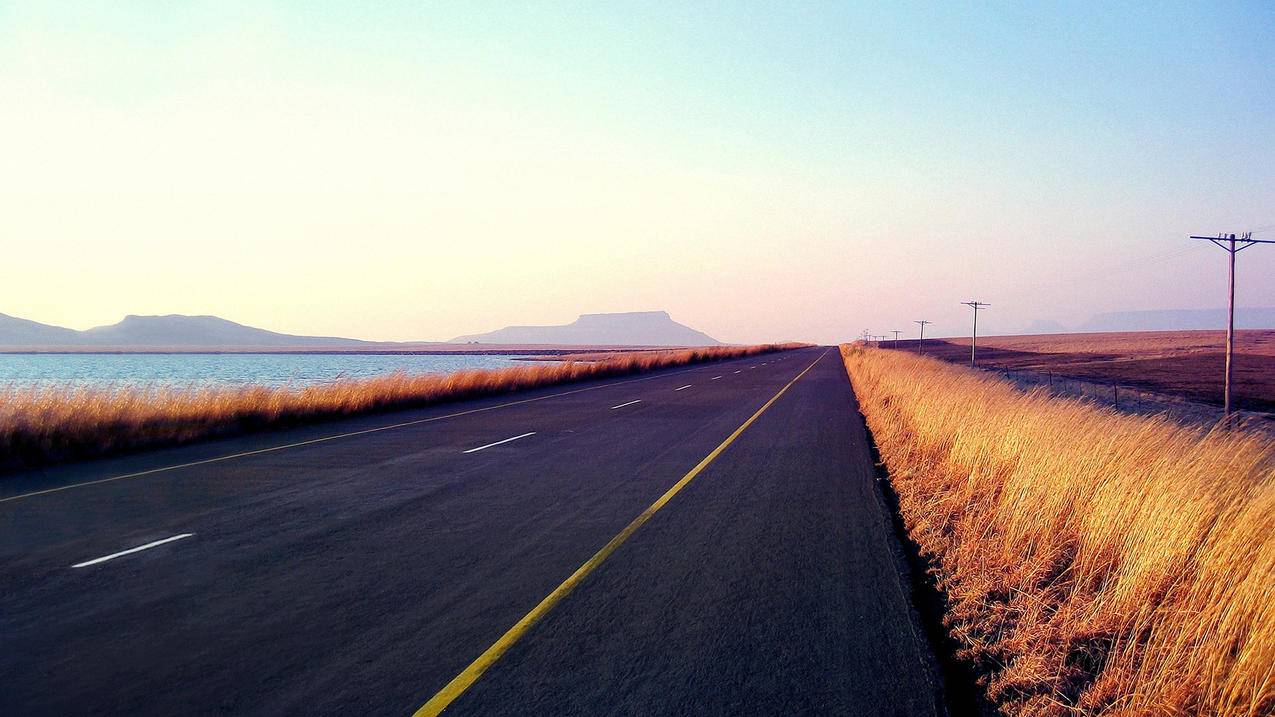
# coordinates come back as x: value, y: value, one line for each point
x: 1122, y: 397
x: 1129, y: 399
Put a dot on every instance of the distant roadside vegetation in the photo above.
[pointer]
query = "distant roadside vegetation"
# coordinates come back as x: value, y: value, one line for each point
x: 40, y: 426
x: 1093, y: 562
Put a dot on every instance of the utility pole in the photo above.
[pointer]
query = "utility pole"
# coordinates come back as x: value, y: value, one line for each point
x: 1233, y: 246
x: 921, y: 338
x: 896, y: 333
x: 975, y: 305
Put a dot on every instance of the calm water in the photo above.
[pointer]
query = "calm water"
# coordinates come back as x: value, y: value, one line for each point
x: 44, y: 370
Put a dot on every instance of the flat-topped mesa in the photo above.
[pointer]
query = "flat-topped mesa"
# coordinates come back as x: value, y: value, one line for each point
x: 631, y: 328
x: 625, y: 316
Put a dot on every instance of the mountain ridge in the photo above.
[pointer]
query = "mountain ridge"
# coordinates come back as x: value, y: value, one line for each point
x: 1254, y: 317
x: 1246, y: 317
x: 167, y: 330
x: 18, y: 331
x: 187, y: 332
x: 199, y: 330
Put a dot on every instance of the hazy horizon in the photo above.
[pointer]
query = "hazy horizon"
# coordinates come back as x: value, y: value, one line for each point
x: 1244, y: 322
x: 761, y: 173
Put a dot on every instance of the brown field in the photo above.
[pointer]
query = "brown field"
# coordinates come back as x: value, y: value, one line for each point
x: 1093, y: 562
x: 1188, y: 364
x: 39, y: 426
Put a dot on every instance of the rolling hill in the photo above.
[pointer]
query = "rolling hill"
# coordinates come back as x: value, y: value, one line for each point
x: 173, y: 330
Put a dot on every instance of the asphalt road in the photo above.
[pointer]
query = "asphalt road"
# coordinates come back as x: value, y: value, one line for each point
x: 320, y: 572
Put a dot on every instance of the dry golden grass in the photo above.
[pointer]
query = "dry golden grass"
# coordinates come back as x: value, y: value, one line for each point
x: 1094, y: 563
x: 589, y: 355
x: 38, y: 426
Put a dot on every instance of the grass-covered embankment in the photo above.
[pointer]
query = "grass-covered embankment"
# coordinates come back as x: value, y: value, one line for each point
x: 43, y: 426
x: 1093, y: 562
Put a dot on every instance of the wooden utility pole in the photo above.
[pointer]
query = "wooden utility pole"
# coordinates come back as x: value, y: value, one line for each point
x: 975, y: 305
x: 921, y: 338
x: 1233, y: 246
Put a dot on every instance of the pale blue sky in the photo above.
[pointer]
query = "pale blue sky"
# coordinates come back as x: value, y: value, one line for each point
x: 420, y: 170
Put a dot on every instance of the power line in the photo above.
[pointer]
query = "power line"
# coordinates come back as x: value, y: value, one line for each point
x: 1233, y: 246
x: 975, y: 305
x: 921, y: 338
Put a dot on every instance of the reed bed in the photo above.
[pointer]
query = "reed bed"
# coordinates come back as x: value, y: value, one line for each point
x: 1093, y: 562
x: 44, y: 426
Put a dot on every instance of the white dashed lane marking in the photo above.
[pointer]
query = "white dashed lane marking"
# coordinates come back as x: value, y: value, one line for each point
x: 497, y: 443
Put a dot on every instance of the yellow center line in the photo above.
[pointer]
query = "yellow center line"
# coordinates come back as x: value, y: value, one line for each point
x: 350, y: 434
x: 470, y: 674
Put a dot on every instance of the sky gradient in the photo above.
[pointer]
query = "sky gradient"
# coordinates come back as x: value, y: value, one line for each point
x: 400, y: 172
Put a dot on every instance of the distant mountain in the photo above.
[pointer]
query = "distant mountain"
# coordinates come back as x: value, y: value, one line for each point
x: 1044, y: 326
x: 634, y: 328
x: 23, y: 332
x: 1179, y: 320
x: 173, y: 330
x: 179, y: 330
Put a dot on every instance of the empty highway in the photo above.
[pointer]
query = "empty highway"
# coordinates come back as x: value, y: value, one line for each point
x: 702, y: 540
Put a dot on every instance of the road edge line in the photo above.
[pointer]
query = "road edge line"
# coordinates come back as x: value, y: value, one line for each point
x: 467, y: 677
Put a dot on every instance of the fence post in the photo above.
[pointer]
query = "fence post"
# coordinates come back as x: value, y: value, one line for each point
x: 1115, y: 395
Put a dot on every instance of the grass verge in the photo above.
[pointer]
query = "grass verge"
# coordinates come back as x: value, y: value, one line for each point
x: 44, y: 426
x: 1094, y: 562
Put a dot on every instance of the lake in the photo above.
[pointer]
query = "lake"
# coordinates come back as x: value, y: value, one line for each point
x: 271, y: 369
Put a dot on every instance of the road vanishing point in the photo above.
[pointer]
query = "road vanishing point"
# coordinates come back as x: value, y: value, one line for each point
x: 705, y: 540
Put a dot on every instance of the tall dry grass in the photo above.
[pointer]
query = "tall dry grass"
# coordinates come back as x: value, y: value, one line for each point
x: 1094, y: 563
x: 42, y: 426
